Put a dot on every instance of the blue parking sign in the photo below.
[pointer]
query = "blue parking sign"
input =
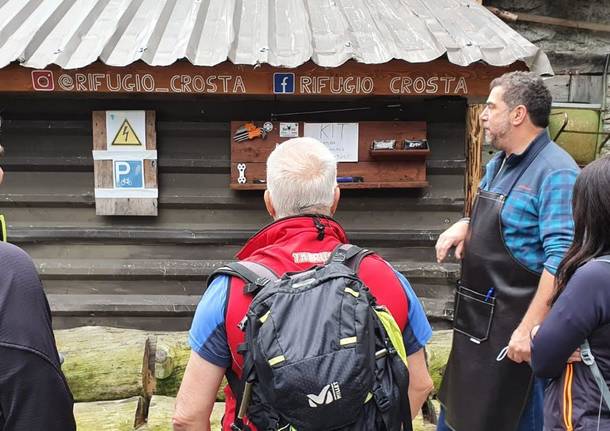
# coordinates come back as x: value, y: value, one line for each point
x: 283, y: 83
x: 128, y: 174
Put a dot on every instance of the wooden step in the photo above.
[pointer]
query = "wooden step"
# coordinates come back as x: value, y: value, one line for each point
x: 181, y: 269
x: 165, y: 312
x: 75, y: 189
x: 167, y: 199
x: 24, y: 235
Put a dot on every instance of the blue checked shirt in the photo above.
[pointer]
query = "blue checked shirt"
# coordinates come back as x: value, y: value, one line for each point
x: 537, y: 219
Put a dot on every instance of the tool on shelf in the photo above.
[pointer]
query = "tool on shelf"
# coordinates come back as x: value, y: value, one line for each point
x: 250, y: 131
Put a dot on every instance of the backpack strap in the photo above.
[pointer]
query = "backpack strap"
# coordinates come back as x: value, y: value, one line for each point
x: 605, y: 258
x: 255, y: 275
x: 349, y: 255
x: 589, y: 360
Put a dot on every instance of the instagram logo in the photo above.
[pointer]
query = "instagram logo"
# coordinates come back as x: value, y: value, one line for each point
x: 42, y: 80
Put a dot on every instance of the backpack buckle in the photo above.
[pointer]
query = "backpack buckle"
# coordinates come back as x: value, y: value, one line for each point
x: 258, y: 284
x: 261, y: 281
x: 587, y: 357
x: 381, y: 399
x: 339, y: 257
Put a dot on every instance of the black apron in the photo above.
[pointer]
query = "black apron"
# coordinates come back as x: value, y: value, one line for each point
x: 479, y: 392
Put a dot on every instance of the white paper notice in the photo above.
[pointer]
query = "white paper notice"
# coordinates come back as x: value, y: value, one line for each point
x: 340, y: 138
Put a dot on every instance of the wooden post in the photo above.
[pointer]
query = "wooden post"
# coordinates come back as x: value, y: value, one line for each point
x: 474, y: 145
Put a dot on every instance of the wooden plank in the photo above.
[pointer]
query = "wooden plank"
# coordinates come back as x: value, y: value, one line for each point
x: 559, y: 85
x: 101, y: 269
x: 353, y: 186
x: 150, y: 174
x: 586, y: 89
x: 180, y: 128
x: 73, y: 189
x: 103, y: 176
x: 257, y: 150
x: 167, y: 305
x: 438, y: 308
x: 187, y: 163
x: 526, y: 17
x: 117, y: 286
x: 352, y: 79
x: 372, y: 172
x: 148, y: 323
x: 24, y: 235
x: 151, y: 131
x: 99, y: 130
x: 73, y: 305
x: 126, y: 206
x: 212, y: 201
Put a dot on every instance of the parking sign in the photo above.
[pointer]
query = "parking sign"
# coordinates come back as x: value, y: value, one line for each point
x: 128, y: 174
x: 283, y: 83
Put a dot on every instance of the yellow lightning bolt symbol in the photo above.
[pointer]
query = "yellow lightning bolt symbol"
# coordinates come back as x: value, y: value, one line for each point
x: 126, y: 132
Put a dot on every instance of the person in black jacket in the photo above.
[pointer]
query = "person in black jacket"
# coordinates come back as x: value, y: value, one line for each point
x: 34, y: 395
x: 581, y: 312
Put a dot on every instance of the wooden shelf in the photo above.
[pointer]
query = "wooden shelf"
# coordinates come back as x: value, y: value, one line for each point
x: 362, y: 185
x: 399, y: 154
x: 380, y: 169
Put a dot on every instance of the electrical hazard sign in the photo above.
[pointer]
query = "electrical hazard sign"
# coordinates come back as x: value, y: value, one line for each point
x: 126, y: 130
x: 126, y: 135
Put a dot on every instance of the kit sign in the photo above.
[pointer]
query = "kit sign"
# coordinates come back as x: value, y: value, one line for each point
x: 126, y: 130
x: 129, y: 174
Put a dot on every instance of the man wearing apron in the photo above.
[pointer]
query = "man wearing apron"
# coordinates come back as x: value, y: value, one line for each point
x: 520, y: 227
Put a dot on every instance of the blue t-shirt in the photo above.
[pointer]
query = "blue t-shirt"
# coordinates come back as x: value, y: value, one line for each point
x: 208, y: 337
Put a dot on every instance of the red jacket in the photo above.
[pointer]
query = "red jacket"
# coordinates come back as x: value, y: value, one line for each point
x: 296, y: 244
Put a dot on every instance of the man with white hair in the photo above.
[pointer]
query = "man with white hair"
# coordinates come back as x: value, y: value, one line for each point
x: 301, y: 197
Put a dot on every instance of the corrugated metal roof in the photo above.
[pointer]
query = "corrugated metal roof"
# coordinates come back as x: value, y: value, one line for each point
x: 285, y: 33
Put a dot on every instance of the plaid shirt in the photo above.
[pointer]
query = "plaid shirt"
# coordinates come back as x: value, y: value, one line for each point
x: 537, y: 219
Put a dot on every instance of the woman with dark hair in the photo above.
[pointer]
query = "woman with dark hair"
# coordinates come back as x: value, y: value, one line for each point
x: 574, y: 398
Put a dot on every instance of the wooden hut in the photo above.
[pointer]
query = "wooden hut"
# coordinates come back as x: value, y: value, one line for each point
x: 197, y: 71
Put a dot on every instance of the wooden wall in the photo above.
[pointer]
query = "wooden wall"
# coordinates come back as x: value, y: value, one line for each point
x: 149, y: 272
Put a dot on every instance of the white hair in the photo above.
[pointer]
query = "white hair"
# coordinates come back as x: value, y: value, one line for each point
x: 301, y: 177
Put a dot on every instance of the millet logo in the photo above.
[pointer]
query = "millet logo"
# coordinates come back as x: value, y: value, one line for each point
x: 327, y: 395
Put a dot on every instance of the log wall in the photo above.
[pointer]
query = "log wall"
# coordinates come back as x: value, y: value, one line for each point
x: 149, y: 272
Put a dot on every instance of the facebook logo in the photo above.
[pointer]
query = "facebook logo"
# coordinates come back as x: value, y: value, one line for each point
x: 128, y: 174
x: 283, y: 83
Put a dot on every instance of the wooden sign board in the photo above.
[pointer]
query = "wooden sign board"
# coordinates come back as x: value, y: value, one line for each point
x: 407, y: 170
x: 394, y: 78
x: 125, y: 163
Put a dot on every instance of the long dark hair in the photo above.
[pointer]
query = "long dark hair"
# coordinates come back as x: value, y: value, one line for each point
x: 591, y: 209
